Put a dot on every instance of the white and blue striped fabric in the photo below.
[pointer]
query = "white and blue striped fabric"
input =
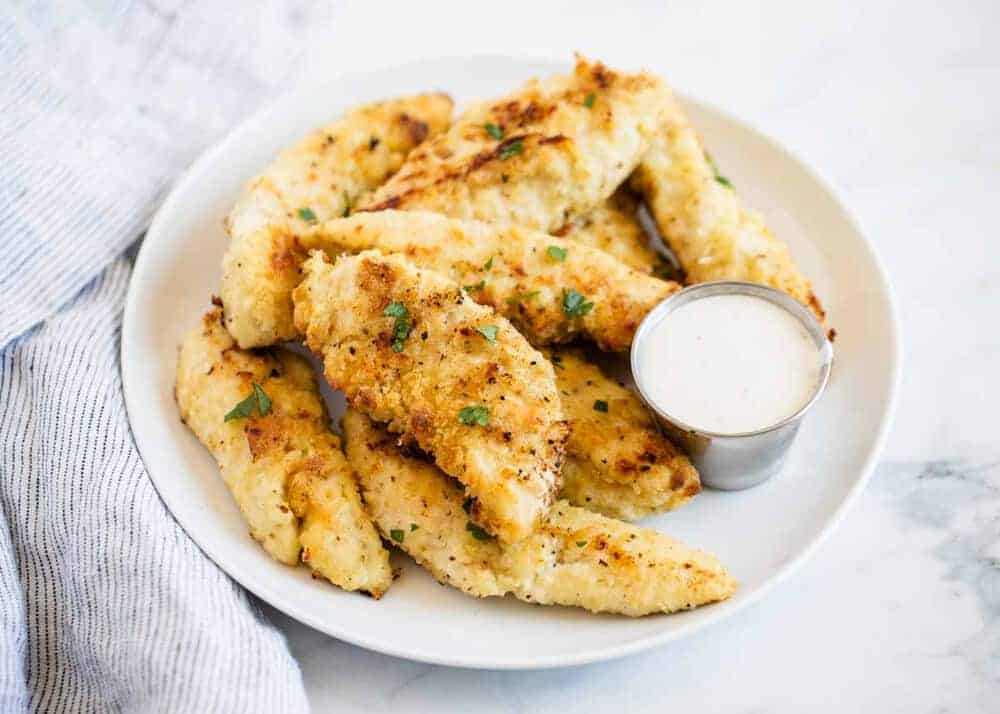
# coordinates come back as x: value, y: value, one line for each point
x: 105, y: 603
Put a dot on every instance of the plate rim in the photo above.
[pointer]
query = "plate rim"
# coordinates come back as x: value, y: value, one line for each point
x: 721, y: 611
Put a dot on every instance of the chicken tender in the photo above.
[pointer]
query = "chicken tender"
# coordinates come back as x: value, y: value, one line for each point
x: 703, y: 220
x: 575, y: 557
x: 550, y: 288
x: 614, y: 227
x: 408, y: 347
x: 617, y: 461
x: 539, y: 157
x: 280, y: 461
x: 319, y: 178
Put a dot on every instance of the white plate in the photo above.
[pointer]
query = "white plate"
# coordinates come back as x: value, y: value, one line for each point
x: 762, y: 534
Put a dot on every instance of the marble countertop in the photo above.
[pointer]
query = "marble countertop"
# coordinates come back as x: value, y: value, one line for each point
x: 899, y: 104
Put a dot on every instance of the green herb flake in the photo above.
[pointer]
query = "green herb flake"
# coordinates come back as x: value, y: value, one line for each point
x: 522, y: 297
x: 258, y: 398
x: 588, y: 101
x: 489, y: 264
x: 601, y: 406
x: 475, y: 287
x: 512, y: 149
x: 396, y: 309
x: 477, y: 532
x: 719, y: 178
x: 574, y: 304
x: 489, y: 332
x: 467, y: 504
x: 557, y: 253
x: 401, y: 328
x: 413, y: 527
x: 307, y: 215
x: 347, y: 204
x: 557, y: 362
x: 474, y: 414
x: 581, y: 543
x: 495, y: 131
x: 263, y: 401
x: 397, y: 535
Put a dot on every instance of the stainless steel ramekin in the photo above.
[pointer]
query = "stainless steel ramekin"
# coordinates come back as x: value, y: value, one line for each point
x: 733, y: 461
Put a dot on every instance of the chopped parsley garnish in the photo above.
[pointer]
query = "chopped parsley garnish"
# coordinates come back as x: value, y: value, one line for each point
x: 307, y: 215
x: 413, y: 527
x: 495, y: 131
x: 574, y: 304
x: 522, y: 297
x: 477, y: 532
x: 512, y: 149
x: 557, y: 253
x: 397, y: 535
x: 715, y: 170
x: 601, y: 406
x: 581, y: 543
x: 474, y: 414
x: 401, y: 328
x: 489, y: 332
x: 467, y: 504
x: 588, y: 101
x: 557, y: 362
x: 489, y: 264
x: 395, y: 309
x: 475, y: 287
x: 347, y: 204
x: 245, y: 408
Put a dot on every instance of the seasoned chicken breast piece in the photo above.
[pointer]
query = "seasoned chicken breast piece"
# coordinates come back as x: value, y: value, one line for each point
x: 703, y: 220
x: 261, y: 416
x: 539, y: 157
x: 614, y: 227
x: 408, y: 347
x: 574, y: 557
x: 320, y: 177
x: 550, y: 288
x: 617, y: 461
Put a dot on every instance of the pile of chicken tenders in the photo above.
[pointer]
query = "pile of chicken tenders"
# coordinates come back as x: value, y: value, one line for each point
x: 455, y: 278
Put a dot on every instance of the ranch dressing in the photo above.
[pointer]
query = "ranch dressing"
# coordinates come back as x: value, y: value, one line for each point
x: 730, y: 364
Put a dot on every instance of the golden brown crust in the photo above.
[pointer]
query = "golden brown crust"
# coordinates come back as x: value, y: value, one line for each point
x: 703, y: 220
x: 539, y: 157
x: 320, y: 177
x: 284, y: 469
x: 617, y: 461
x: 512, y: 270
x: 444, y: 364
x: 574, y: 557
x: 614, y: 228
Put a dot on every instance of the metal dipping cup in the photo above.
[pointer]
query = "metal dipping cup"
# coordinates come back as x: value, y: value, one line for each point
x: 736, y: 461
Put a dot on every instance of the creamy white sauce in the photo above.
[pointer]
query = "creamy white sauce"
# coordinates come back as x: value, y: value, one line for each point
x: 729, y: 364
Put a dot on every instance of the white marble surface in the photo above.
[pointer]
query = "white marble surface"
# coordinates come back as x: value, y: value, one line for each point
x: 899, y: 104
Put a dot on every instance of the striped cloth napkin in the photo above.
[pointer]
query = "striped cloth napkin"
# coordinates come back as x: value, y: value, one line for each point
x: 105, y: 603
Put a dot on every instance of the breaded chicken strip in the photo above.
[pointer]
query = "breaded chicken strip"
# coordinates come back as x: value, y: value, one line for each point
x: 539, y: 157
x: 320, y: 177
x: 617, y: 461
x: 703, y: 220
x: 614, y: 228
x: 550, y: 288
x: 408, y: 347
x: 575, y: 557
x: 284, y: 468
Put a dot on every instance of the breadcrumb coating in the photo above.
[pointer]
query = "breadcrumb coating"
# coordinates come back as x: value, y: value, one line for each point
x: 409, y: 348
x: 575, y: 557
x: 284, y: 468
